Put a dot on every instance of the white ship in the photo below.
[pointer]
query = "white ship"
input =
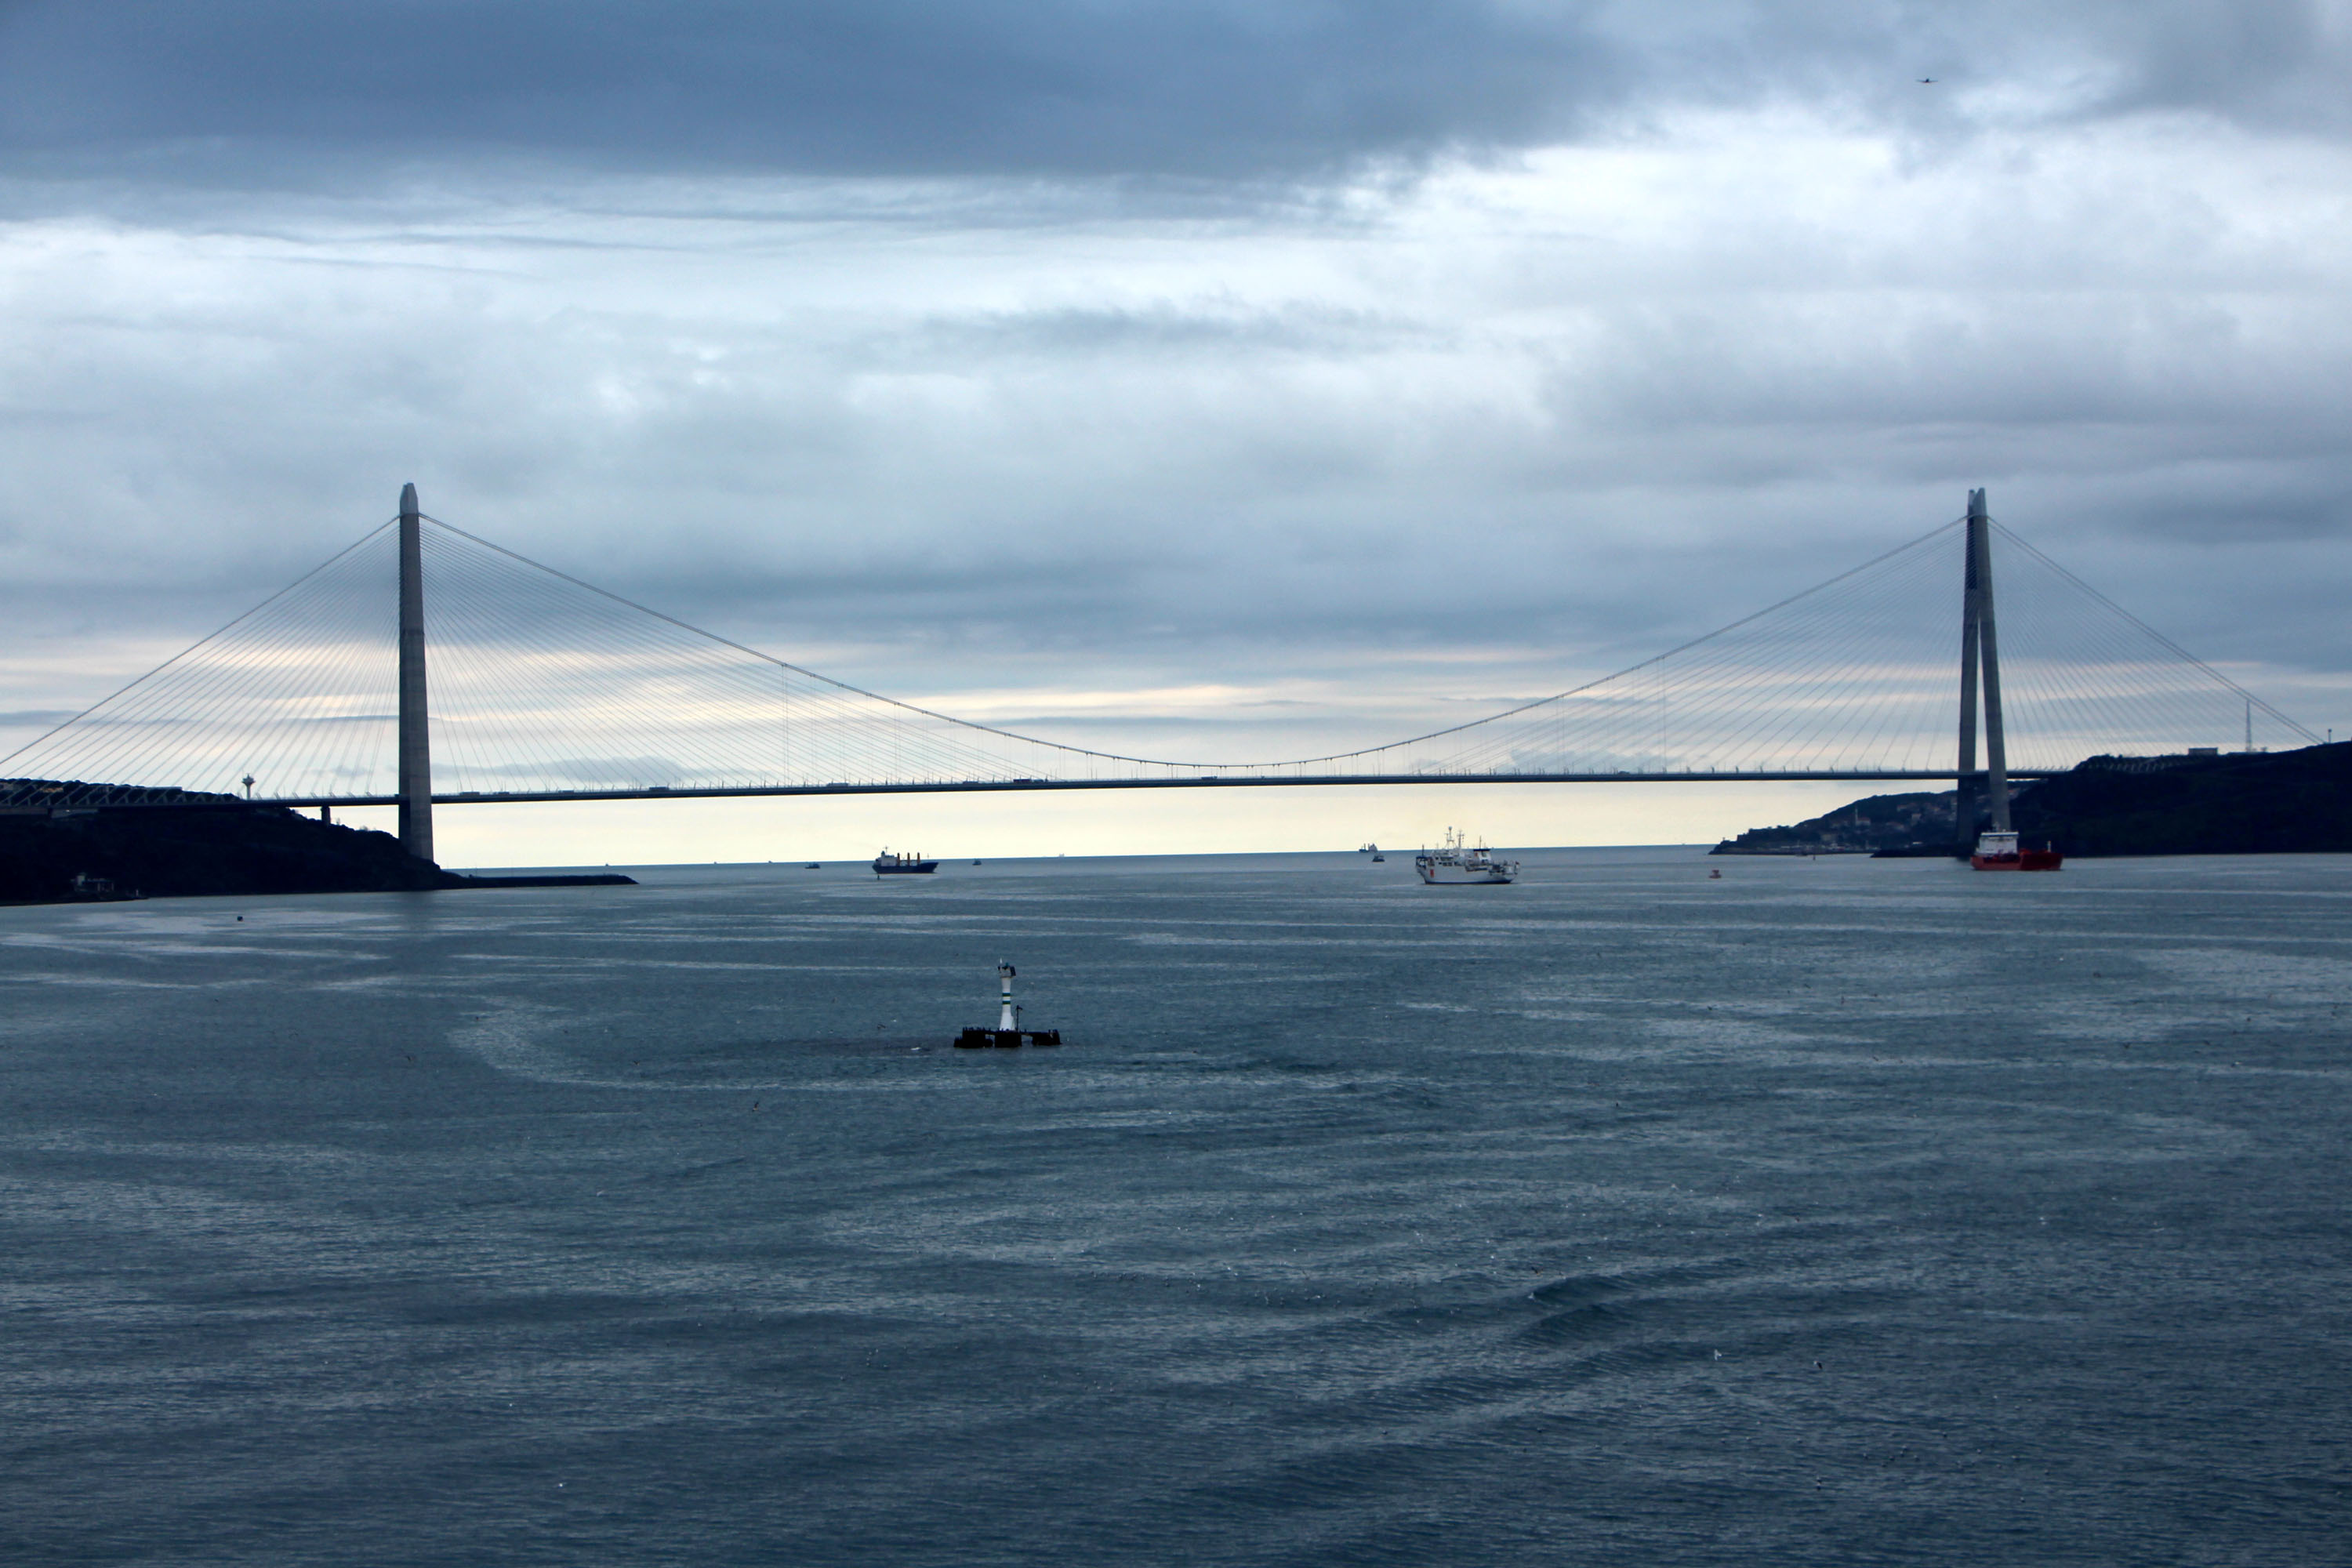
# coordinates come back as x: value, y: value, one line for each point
x: 1454, y: 861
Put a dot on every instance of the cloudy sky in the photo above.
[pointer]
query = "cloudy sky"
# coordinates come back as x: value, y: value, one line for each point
x: 1348, y: 362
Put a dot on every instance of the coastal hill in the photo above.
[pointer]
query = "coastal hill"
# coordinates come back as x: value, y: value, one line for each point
x: 215, y: 844
x: 1880, y: 822
x: 2246, y: 803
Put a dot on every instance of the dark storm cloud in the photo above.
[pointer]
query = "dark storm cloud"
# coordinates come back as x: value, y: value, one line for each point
x: 2270, y: 62
x: 265, y: 91
x: 867, y: 88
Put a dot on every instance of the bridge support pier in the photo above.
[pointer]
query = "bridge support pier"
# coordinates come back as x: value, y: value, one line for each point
x: 1980, y: 664
x: 416, y: 781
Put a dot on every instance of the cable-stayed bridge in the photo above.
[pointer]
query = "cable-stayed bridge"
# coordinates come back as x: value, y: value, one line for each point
x: 423, y: 665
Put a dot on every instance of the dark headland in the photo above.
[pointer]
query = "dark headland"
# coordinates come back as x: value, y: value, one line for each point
x: 214, y: 843
x: 2246, y: 803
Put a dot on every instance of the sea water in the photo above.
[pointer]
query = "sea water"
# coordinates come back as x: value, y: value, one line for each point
x: 1832, y: 1210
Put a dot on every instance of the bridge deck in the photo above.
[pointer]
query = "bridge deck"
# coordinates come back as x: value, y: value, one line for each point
x: 36, y: 797
x: 990, y: 786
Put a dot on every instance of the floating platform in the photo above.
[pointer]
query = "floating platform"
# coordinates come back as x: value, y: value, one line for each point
x: 1004, y: 1039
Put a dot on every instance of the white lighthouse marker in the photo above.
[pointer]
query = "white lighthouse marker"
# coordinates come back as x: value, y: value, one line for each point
x: 1008, y: 1030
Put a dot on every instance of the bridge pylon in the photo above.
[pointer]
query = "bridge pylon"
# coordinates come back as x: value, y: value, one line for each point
x: 416, y: 780
x: 1980, y: 664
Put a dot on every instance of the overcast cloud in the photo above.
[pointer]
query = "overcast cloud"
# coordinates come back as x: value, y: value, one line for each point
x: 1038, y: 355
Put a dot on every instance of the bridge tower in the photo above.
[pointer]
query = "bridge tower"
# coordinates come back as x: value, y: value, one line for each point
x: 1980, y: 657
x: 415, y: 742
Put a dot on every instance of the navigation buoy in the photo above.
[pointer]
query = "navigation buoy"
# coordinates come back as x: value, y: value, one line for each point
x: 1008, y: 1031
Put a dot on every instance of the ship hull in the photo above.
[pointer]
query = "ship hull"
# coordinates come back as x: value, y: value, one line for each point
x: 2023, y: 860
x: 1450, y: 877
x: 914, y: 869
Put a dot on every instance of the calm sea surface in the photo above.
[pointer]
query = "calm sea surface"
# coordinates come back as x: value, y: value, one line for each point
x: 1835, y: 1212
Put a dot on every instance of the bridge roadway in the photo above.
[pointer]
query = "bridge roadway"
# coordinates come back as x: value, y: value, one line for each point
x: 21, y: 797
x: 1203, y: 781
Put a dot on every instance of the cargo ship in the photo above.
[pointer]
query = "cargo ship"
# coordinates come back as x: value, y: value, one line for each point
x: 889, y: 865
x: 1999, y: 852
x: 1454, y: 862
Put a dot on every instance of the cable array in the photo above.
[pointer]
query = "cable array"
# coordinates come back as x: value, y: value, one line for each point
x: 1845, y: 676
x: 2089, y: 677
x: 541, y: 682
x: 299, y: 693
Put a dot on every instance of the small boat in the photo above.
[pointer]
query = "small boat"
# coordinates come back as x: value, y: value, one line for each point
x: 889, y: 865
x: 1454, y: 861
x: 1999, y: 852
x: 1379, y: 858
x: 815, y: 867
